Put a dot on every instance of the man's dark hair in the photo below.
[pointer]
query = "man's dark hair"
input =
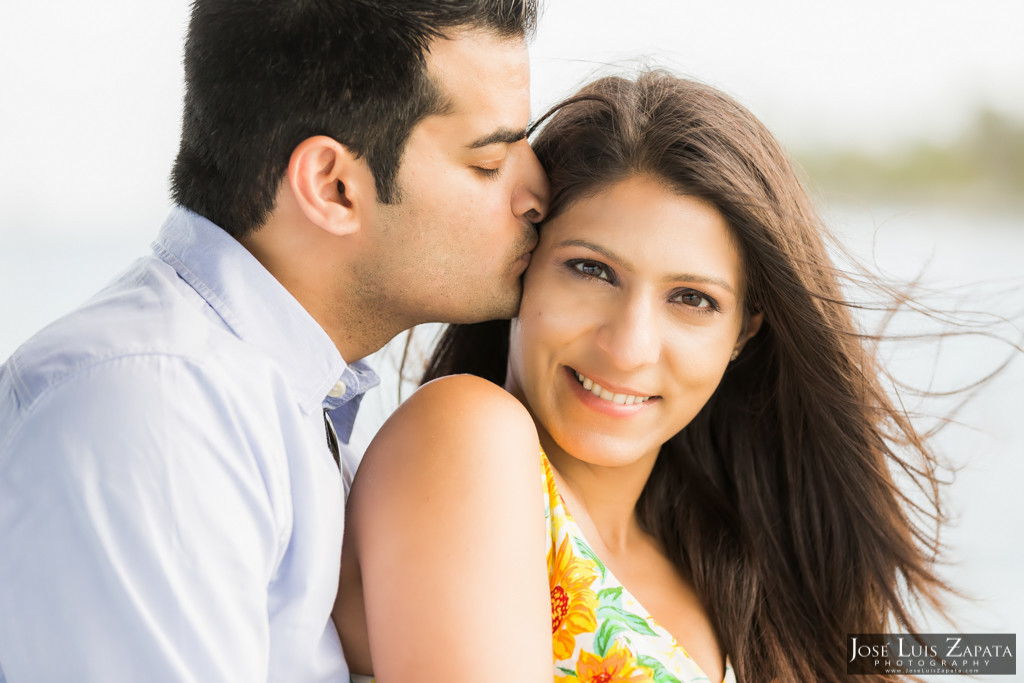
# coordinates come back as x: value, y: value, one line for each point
x: 261, y: 76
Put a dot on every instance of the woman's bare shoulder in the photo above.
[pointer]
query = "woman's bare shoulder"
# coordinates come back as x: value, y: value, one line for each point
x: 446, y: 514
x: 465, y: 393
x: 456, y: 431
x: 458, y: 411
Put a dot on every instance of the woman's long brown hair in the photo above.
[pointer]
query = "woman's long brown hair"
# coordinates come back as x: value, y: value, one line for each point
x: 778, y: 501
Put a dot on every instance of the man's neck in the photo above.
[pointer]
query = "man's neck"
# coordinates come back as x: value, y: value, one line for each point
x: 307, y: 265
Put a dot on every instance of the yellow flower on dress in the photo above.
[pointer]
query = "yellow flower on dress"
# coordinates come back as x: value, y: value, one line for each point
x: 617, y: 666
x: 573, y: 603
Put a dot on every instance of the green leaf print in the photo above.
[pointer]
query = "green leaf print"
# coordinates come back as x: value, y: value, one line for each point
x: 566, y: 672
x: 605, y: 635
x: 610, y: 596
x: 585, y: 550
x: 658, y: 670
x: 628, y: 620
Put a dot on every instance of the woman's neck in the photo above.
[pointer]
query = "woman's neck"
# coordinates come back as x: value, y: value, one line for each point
x: 604, y: 496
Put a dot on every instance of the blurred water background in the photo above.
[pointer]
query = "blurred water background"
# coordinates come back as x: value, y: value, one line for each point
x: 907, y: 120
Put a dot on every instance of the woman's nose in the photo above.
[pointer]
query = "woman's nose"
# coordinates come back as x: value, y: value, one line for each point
x: 630, y: 336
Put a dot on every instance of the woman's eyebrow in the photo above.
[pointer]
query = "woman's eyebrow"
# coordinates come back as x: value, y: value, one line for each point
x: 683, y: 277
x: 506, y: 136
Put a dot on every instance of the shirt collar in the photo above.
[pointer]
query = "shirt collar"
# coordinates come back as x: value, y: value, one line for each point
x: 259, y: 310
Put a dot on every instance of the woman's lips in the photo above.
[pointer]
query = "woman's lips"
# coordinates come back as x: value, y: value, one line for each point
x: 617, y: 401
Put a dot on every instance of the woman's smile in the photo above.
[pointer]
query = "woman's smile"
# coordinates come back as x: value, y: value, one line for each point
x: 632, y: 306
x: 605, y: 392
x: 604, y: 397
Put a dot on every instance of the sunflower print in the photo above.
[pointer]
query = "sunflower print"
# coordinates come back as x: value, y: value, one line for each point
x: 599, y: 632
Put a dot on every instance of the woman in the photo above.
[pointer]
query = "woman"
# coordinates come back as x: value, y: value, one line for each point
x: 716, y: 497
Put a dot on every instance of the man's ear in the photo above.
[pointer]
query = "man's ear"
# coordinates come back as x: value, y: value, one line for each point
x: 333, y: 188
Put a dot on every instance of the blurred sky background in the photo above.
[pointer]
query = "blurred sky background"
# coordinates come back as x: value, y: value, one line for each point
x: 907, y: 116
x: 91, y: 92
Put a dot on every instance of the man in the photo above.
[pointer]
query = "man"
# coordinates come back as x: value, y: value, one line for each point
x: 169, y: 505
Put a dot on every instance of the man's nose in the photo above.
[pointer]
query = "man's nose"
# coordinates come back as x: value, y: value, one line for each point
x: 531, y: 194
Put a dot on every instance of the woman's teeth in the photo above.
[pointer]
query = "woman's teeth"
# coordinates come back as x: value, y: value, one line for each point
x: 602, y: 393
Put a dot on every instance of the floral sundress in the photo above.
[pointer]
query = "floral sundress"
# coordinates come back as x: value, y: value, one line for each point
x: 599, y: 632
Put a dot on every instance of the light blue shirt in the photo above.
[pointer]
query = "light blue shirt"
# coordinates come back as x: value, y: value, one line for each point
x: 169, y: 507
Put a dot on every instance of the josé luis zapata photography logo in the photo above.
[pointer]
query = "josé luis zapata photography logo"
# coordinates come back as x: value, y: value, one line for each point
x: 918, y: 654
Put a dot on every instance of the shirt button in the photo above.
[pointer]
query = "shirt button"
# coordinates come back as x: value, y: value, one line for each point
x: 338, y: 390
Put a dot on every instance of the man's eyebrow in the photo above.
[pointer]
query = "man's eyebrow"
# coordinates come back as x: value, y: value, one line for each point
x: 506, y: 136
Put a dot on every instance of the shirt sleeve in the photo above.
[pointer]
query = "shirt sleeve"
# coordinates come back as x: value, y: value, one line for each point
x: 139, y: 536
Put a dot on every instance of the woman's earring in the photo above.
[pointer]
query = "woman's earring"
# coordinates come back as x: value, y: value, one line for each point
x: 735, y: 355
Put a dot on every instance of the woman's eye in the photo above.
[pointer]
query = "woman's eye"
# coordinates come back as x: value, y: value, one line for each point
x: 695, y: 299
x: 592, y: 269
